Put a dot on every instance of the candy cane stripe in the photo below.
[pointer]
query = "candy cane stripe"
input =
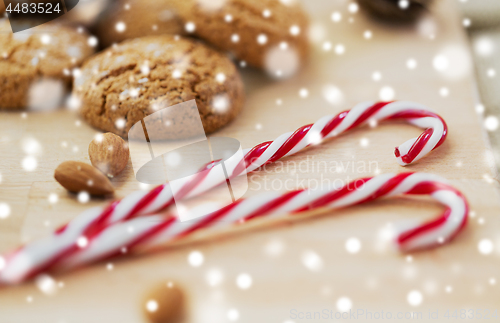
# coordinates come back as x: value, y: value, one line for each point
x: 147, y: 232
x: 91, y: 224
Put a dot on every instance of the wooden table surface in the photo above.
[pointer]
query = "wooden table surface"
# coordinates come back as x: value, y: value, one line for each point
x: 300, y: 265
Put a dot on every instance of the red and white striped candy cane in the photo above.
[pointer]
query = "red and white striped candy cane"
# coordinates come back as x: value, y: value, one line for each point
x: 148, y: 232
x: 327, y: 127
x: 93, y: 221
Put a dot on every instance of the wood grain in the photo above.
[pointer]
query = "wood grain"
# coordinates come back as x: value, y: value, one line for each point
x: 373, y: 279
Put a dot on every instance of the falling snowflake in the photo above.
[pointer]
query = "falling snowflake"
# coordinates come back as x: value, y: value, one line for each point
x: 376, y: 76
x: 53, y: 198
x: 485, y: 246
x: 46, y: 284
x: 491, y: 123
x: 281, y: 61
x: 196, y: 258
x: 220, y: 103
x: 4, y: 210
x: 82, y: 242
x: 262, y: 39
x: 444, y: 92
x: 220, y: 78
x: 312, y: 261
x: 244, y: 281
x: 333, y: 94
x: 190, y: 27
x: 233, y: 315
x: 404, y: 4
x: 45, y: 39
x: 353, y: 7
x: 411, y: 63
x: 46, y: 94
x: 353, y: 245
x: 415, y: 298
x: 303, y: 93
x: 120, y: 123
x: 295, y: 30
x: 387, y: 93
x: 120, y: 26
x: 336, y: 16
x: 344, y: 304
x: 214, y: 277
x: 92, y: 41
x: 83, y: 197
x: 339, y: 49
x: 29, y: 163
x: 152, y: 306
x: 484, y: 46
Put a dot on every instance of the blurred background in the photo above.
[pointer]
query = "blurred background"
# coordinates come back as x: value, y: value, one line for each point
x: 334, y: 262
x: 481, y: 18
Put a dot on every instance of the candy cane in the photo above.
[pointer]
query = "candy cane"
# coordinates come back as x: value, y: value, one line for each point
x: 93, y: 221
x: 148, y: 232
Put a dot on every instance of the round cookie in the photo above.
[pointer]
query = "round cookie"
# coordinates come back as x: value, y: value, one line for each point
x: 129, y: 81
x: 127, y: 19
x: 47, y: 52
x: 251, y: 30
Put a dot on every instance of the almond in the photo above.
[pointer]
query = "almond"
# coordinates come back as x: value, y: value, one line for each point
x: 77, y: 177
x: 164, y: 304
x: 109, y: 153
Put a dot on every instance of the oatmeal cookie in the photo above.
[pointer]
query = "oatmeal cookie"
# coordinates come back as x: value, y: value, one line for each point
x: 49, y: 52
x: 251, y: 30
x: 127, y: 19
x: 127, y: 82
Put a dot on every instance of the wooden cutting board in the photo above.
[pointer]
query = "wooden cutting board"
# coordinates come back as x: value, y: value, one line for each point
x: 454, y: 277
